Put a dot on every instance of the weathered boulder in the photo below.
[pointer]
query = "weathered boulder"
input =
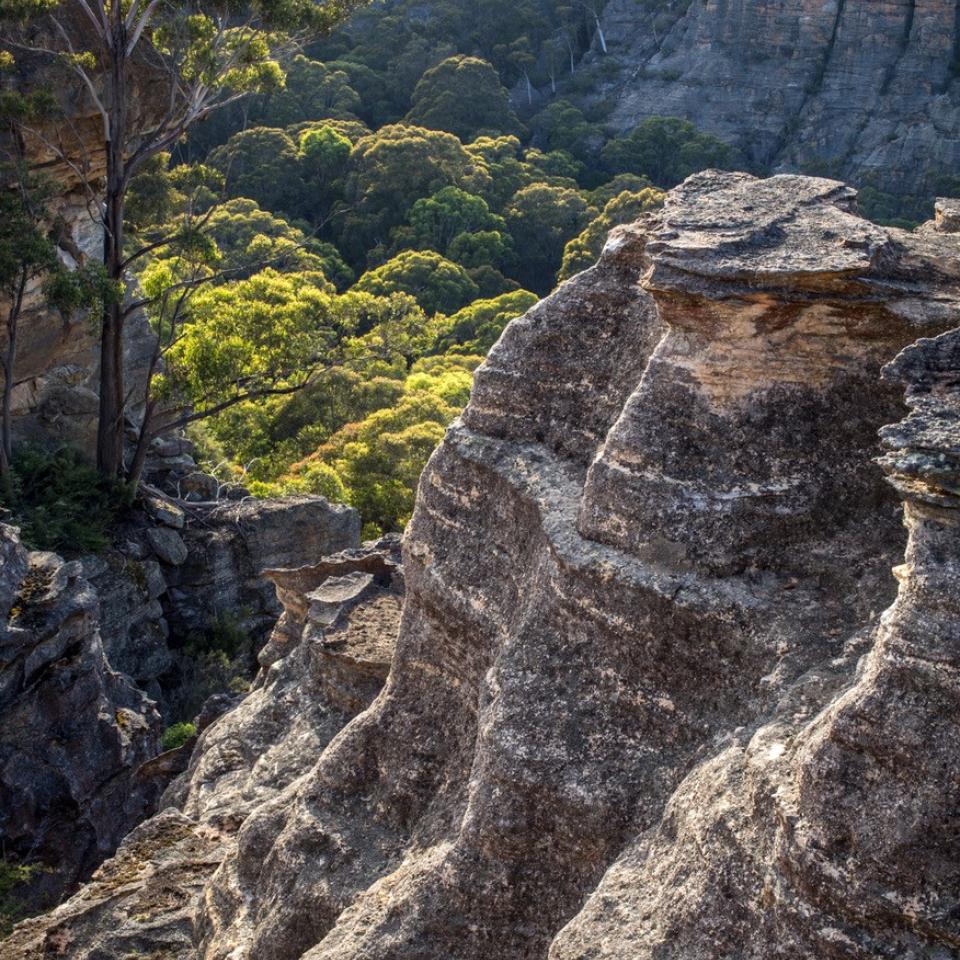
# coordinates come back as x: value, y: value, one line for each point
x: 168, y: 545
x: 71, y: 729
x: 330, y: 655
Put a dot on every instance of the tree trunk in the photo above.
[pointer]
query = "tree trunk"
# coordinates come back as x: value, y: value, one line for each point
x: 600, y: 34
x: 110, y: 425
x: 9, y: 366
x: 143, y: 444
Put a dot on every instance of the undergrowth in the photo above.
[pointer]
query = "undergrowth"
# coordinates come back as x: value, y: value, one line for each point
x: 60, y: 501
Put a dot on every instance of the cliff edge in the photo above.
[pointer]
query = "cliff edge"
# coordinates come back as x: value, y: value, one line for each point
x: 645, y: 701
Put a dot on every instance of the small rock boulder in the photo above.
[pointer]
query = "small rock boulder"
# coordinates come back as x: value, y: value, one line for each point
x: 168, y: 545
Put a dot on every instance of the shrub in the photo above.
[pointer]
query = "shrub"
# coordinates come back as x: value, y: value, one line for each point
x: 60, y: 501
x: 13, y: 876
x: 177, y: 735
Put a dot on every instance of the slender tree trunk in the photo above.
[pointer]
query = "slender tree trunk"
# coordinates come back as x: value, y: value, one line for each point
x: 9, y: 367
x: 143, y: 444
x: 110, y: 426
x: 600, y: 34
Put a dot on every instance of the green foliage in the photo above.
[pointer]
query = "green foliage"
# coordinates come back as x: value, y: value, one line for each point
x: 584, y: 250
x: 61, y: 503
x: 312, y: 91
x: 464, y: 96
x: 542, y: 219
x: 621, y: 183
x: 389, y: 152
x: 380, y: 458
x: 26, y: 250
x: 392, y: 169
x: 563, y: 126
x: 437, y: 284
x: 256, y: 334
x: 667, y: 150
x: 262, y: 164
x: 217, y: 658
x: 176, y: 735
x: 13, y: 877
x: 895, y: 211
x: 476, y: 328
x: 454, y: 220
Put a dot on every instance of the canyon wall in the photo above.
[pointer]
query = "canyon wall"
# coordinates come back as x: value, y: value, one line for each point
x: 645, y: 701
x: 857, y: 89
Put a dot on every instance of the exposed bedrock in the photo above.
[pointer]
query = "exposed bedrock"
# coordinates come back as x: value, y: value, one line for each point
x: 72, y: 729
x: 644, y: 702
x: 830, y: 831
x: 657, y: 516
x: 860, y: 89
x: 324, y: 663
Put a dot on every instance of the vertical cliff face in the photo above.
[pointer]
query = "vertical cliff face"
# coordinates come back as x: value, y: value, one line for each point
x: 644, y: 702
x: 855, y: 88
x: 57, y: 372
x: 830, y: 830
x: 657, y: 515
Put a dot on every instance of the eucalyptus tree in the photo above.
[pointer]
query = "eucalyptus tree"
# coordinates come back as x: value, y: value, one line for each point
x: 195, y: 57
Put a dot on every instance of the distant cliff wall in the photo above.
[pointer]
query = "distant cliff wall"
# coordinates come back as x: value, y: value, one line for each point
x: 863, y: 90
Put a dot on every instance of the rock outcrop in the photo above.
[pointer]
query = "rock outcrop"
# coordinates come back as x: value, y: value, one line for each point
x: 72, y: 732
x: 227, y: 546
x: 644, y: 702
x: 326, y: 660
x: 857, y: 89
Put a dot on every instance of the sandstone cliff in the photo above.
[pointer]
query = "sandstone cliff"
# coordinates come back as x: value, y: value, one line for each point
x: 72, y: 730
x: 857, y: 89
x: 644, y: 702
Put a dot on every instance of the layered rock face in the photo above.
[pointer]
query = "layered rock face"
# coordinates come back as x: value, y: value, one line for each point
x: 852, y: 88
x: 73, y: 730
x: 644, y: 701
x: 829, y: 831
x: 57, y: 371
x: 326, y: 660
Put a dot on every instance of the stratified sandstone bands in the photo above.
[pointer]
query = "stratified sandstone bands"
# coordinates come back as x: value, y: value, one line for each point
x: 644, y: 703
x: 864, y: 90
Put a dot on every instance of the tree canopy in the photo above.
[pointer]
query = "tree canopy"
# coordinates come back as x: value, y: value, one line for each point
x: 464, y: 96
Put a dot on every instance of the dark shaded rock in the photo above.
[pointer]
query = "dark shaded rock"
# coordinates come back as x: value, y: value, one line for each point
x: 337, y: 650
x: 230, y: 543
x: 71, y: 729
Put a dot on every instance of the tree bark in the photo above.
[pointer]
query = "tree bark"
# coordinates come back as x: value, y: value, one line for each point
x: 110, y: 425
x: 9, y: 366
x: 143, y: 444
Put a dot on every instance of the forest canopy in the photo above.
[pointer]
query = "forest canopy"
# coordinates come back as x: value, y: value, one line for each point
x: 327, y: 257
